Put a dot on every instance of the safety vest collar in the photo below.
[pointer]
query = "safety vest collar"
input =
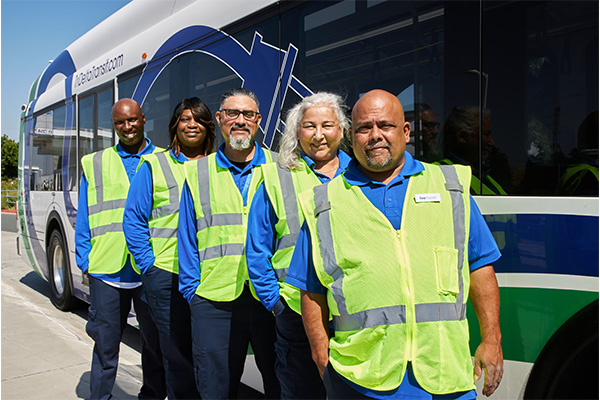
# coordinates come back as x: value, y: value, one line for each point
x: 173, y: 206
x: 101, y: 204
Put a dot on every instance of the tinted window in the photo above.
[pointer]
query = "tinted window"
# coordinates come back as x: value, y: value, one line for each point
x: 48, y: 151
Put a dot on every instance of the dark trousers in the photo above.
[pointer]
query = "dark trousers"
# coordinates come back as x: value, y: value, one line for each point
x: 109, y: 308
x: 337, y: 388
x: 298, y: 374
x: 171, y: 313
x: 221, y: 332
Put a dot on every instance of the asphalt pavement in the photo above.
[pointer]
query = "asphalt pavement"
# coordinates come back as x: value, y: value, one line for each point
x: 9, y: 221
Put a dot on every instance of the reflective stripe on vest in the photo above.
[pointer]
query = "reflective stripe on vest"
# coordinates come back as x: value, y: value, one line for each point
x: 393, y: 314
x: 173, y: 206
x: 396, y: 295
x: 284, y: 190
x: 210, y: 220
x: 106, y: 203
x: 102, y: 205
x: 477, y: 188
x: 167, y: 182
x: 282, y: 186
x: 221, y: 223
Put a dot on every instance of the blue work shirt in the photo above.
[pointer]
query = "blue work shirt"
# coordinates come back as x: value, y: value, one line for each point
x: 389, y: 199
x: 137, y: 215
x: 187, y: 241
x: 83, y: 245
x: 260, y: 241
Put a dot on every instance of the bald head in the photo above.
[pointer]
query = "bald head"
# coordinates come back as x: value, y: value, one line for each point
x: 125, y: 105
x: 128, y: 121
x: 378, y: 99
x: 379, y: 134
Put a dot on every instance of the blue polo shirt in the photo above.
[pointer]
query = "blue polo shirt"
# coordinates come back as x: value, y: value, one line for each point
x: 187, y: 241
x: 389, y: 199
x: 126, y: 277
x: 137, y: 215
x: 260, y: 241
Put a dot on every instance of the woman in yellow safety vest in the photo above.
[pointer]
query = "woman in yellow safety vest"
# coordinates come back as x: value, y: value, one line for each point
x: 150, y: 225
x: 309, y: 155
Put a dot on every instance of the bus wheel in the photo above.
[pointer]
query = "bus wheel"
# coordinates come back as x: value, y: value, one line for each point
x: 567, y: 367
x: 61, y: 289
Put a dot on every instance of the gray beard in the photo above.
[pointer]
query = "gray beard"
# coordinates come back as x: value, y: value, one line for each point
x: 379, y: 165
x: 240, y: 144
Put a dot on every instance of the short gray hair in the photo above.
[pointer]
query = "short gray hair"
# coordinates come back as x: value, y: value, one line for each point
x: 238, y: 92
x: 289, y: 147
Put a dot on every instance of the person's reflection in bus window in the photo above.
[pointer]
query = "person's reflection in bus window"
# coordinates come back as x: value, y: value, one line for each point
x: 461, y: 146
x: 580, y: 177
x: 429, y: 126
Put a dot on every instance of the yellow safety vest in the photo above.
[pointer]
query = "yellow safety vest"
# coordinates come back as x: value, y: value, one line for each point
x: 283, y: 187
x: 489, y: 188
x: 221, y: 223
x: 168, y: 176
x: 396, y: 295
x: 108, y: 185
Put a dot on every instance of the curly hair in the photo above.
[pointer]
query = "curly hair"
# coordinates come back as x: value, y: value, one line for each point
x: 289, y: 146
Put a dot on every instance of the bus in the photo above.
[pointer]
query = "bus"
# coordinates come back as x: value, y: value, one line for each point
x: 527, y: 71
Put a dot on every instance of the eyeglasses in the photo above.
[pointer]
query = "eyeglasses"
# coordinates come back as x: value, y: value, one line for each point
x: 249, y: 115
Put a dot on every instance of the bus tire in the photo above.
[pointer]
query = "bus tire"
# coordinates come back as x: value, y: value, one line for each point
x: 567, y: 366
x: 61, y: 287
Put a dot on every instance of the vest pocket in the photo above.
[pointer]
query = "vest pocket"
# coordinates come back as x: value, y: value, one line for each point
x: 446, y: 262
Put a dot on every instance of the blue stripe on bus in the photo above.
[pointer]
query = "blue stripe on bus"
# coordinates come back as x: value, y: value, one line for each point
x: 63, y: 64
x: 259, y: 68
x: 549, y: 244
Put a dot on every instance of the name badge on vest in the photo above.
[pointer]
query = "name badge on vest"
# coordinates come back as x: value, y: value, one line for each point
x: 428, y: 198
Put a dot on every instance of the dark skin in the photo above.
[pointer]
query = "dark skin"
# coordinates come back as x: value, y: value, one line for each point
x: 379, y: 137
x: 128, y: 121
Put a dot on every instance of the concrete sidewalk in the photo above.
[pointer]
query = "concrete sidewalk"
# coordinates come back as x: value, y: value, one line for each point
x: 46, y: 353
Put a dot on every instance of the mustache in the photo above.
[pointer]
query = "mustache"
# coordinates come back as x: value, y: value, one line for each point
x: 242, y: 127
x: 379, y: 145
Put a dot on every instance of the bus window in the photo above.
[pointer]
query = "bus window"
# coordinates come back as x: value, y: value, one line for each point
x: 86, y: 126
x: 192, y: 74
x: 127, y: 83
x: 48, y: 140
x: 95, y: 123
x: 105, y: 131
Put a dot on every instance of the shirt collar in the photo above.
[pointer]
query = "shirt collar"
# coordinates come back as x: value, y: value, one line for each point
x: 148, y: 149
x: 181, y: 158
x: 257, y: 159
x: 343, y: 157
x: 411, y: 167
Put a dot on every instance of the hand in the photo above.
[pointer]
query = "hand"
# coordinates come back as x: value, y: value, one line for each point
x: 321, y: 361
x: 488, y: 357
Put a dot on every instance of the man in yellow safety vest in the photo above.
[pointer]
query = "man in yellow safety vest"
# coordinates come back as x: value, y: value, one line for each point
x: 102, y: 253
x: 391, y: 250
x: 213, y: 277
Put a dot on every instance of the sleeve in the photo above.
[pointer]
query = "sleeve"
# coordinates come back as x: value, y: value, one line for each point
x: 138, y: 209
x: 260, y: 246
x: 301, y: 273
x: 483, y: 249
x: 187, y: 246
x: 83, y: 237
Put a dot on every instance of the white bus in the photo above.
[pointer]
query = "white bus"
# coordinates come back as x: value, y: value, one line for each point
x: 533, y: 65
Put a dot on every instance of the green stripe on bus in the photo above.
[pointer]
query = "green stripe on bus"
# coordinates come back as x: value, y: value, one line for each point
x: 529, y: 318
